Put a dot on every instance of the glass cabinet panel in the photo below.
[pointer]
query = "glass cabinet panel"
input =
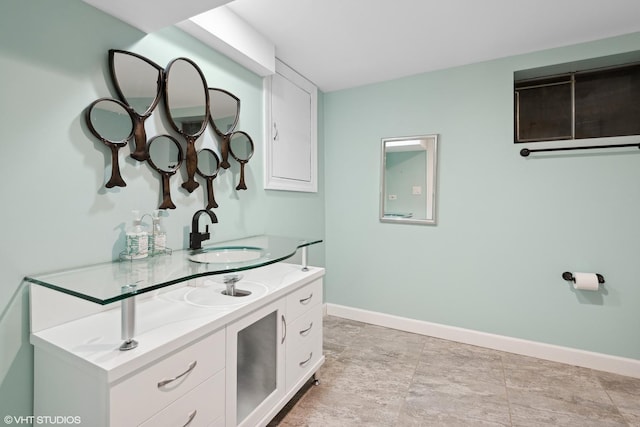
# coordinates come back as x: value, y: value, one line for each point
x: 256, y: 364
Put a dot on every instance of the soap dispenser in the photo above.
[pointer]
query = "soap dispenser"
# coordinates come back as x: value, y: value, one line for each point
x: 137, y: 238
x: 158, y: 235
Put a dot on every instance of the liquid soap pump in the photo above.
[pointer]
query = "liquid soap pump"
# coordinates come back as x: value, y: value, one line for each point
x: 137, y: 238
x: 158, y: 235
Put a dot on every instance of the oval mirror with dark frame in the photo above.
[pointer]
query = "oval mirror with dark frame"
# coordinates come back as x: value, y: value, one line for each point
x: 208, y: 167
x: 187, y: 107
x: 224, y: 113
x: 408, y: 180
x: 138, y: 83
x: 241, y: 148
x: 111, y: 122
x: 165, y: 155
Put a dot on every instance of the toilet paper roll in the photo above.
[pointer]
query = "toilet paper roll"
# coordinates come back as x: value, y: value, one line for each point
x: 585, y: 281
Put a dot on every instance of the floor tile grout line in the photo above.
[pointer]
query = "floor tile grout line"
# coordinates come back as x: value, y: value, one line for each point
x: 506, y: 389
x: 610, y: 398
x: 411, y: 380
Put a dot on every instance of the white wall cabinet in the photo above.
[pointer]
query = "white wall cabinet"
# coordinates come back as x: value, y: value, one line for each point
x: 291, y: 133
x: 193, y: 366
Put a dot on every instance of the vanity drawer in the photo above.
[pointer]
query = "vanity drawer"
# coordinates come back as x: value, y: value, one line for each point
x: 304, y: 345
x: 200, y: 407
x: 156, y: 386
x: 303, y: 299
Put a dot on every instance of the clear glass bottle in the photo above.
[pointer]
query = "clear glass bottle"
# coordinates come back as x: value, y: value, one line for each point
x: 158, y: 240
x: 137, y: 238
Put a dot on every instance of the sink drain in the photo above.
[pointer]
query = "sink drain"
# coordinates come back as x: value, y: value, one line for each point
x: 238, y: 293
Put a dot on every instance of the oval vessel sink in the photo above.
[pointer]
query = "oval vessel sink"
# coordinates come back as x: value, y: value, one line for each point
x: 227, y: 255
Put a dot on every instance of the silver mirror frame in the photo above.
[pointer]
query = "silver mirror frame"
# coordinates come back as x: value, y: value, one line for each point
x: 430, y: 184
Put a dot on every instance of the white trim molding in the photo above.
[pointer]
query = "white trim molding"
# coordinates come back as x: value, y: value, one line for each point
x: 587, y: 359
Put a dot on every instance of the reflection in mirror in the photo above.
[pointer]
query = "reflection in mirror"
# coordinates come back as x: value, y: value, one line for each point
x: 138, y: 83
x: 111, y: 122
x: 408, y: 180
x: 241, y: 149
x: 225, y: 110
x: 165, y: 156
x: 187, y: 107
x: 208, y: 167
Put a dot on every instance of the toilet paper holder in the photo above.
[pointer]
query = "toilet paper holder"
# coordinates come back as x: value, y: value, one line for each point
x: 569, y: 277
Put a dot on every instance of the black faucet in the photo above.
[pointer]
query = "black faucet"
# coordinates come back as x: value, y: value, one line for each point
x: 195, y: 237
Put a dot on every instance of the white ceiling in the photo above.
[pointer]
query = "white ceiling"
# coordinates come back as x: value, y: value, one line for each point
x: 339, y: 44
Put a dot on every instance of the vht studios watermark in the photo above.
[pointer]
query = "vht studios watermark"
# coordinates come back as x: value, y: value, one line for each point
x: 42, y: 419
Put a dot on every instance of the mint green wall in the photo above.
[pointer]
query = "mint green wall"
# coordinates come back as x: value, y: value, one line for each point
x: 507, y: 226
x: 56, y: 212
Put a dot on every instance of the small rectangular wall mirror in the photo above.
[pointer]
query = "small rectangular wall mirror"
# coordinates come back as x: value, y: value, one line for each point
x: 408, y: 179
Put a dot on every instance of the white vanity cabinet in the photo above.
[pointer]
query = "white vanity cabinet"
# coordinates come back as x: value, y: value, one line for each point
x: 195, y: 366
x: 182, y: 388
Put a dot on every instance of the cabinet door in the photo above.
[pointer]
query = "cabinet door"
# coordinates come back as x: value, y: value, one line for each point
x: 255, y: 365
x: 291, y: 134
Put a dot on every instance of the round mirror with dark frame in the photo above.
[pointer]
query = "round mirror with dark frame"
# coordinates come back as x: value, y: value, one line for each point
x: 111, y: 122
x: 165, y: 155
x: 224, y: 113
x: 241, y: 149
x: 187, y: 107
x: 208, y: 167
x: 138, y: 83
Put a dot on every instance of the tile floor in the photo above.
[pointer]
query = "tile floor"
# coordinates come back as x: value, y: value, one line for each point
x: 380, y: 377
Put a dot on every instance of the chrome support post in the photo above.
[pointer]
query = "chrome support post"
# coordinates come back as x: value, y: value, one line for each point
x: 305, y: 258
x: 128, y: 320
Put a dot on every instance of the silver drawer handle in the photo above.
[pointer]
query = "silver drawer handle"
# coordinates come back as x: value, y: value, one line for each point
x: 284, y: 329
x: 306, y: 300
x: 170, y: 380
x: 304, y: 363
x: 305, y: 332
x: 192, y: 415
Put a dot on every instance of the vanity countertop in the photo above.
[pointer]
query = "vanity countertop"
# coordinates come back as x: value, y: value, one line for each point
x: 165, y: 319
x: 109, y: 282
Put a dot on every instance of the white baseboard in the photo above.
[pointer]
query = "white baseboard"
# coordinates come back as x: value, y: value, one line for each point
x: 555, y: 353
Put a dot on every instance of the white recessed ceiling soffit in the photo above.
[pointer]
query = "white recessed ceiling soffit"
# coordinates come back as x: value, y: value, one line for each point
x: 339, y: 44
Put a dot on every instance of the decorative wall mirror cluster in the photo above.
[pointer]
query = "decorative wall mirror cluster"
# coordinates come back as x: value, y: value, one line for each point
x: 139, y: 83
x: 190, y: 106
x: 110, y: 120
x: 224, y: 113
x: 408, y: 180
x: 186, y: 101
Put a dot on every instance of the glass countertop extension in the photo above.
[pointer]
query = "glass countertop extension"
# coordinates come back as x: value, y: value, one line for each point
x: 114, y: 281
